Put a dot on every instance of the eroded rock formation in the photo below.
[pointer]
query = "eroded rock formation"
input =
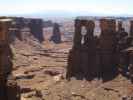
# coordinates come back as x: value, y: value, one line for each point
x: 107, y: 44
x: 8, y: 86
x: 92, y: 56
x: 120, y: 25
x: 131, y: 28
x: 56, y: 37
x: 36, y: 27
x: 81, y: 61
x: 15, y: 28
x: 22, y: 28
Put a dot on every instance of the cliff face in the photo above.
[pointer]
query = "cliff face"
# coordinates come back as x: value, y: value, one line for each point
x: 8, y: 86
x: 98, y: 56
x: 36, y: 28
x: 24, y: 28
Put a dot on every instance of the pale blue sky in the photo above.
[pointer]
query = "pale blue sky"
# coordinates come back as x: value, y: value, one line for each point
x: 106, y: 7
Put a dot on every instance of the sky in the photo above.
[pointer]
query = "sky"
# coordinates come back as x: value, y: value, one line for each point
x: 74, y: 7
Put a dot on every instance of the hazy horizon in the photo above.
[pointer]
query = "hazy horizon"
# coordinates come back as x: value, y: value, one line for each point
x: 69, y: 8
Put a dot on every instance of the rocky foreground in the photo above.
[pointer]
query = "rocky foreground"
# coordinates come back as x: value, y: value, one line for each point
x: 40, y: 71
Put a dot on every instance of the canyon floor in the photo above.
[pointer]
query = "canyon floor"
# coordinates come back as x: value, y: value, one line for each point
x: 40, y: 72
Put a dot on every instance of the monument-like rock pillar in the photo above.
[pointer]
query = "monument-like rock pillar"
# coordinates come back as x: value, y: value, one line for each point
x: 56, y: 37
x: 131, y: 28
x: 74, y: 53
x: 15, y: 28
x: 81, y: 60
x: 6, y: 64
x: 36, y: 27
x: 123, y: 42
x: 120, y: 26
x: 107, y: 43
x: 91, y: 49
x: 77, y: 35
x: 129, y: 51
x: 131, y: 64
x: 130, y: 54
